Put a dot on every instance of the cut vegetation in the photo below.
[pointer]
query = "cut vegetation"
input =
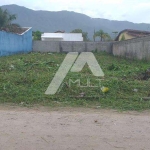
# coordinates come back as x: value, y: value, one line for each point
x: 24, y: 79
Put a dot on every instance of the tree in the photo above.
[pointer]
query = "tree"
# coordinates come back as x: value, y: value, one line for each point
x: 84, y: 34
x: 37, y: 35
x: 6, y: 21
x: 106, y: 37
x: 123, y: 38
x: 101, y: 34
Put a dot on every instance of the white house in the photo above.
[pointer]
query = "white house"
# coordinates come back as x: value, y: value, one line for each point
x: 62, y: 37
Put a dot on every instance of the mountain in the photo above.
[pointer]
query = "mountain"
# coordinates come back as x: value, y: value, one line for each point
x: 49, y: 21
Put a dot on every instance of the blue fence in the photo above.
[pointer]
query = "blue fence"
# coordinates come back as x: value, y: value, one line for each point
x: 14, y: 43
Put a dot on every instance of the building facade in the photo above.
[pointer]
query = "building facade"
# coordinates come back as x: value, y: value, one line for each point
x: 130, y: 34
x: 62, y: 37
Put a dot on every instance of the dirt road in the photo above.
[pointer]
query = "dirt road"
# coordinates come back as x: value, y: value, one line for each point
x: 73, y: 129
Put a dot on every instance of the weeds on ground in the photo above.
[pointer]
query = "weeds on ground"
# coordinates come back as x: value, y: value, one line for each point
x: 24, y: 79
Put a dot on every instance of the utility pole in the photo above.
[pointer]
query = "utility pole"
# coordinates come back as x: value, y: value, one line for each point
x: 115, y: 34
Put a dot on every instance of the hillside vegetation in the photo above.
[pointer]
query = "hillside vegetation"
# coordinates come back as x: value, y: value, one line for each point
x: 48, y: 21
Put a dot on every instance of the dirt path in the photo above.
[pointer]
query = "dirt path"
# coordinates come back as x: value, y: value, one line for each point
x: 73, y: 129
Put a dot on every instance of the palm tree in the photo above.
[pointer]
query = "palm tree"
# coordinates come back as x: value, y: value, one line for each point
x: 101, y: 34
x: 6, y: 21
x: 106, y: 36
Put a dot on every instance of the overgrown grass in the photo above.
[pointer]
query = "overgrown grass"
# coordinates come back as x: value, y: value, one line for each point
x: 24, y: 79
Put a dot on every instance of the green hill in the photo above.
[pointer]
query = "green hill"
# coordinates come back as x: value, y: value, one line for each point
x: 48, y: 21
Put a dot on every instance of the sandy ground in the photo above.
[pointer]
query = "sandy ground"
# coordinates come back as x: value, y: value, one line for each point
x: 73, y: 129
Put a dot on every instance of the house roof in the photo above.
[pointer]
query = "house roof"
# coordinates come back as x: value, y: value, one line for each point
x: 135, y: 33
x: 59, y: 31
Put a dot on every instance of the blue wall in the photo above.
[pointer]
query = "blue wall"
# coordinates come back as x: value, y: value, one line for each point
x: 13, y: 43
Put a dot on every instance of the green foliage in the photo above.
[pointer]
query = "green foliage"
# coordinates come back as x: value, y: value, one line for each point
x: 6, y: 21
x: 102, y: 35
x: 37, y: 35
x: 123, y: 37
x: 84, y: 34
x: 113, y: 67
x: 68, y: 20
x: 106, y: 37
x: 24, y: 79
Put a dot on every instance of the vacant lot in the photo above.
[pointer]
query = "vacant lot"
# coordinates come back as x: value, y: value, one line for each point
x: 24, y: 79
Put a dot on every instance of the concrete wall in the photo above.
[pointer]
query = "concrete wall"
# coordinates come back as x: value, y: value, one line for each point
x: 138, y: 48
x: 64, y: 46
x: 15, y: 43
x: 133, y: 49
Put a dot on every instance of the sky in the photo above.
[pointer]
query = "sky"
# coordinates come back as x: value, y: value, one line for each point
x: 137, y: 11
